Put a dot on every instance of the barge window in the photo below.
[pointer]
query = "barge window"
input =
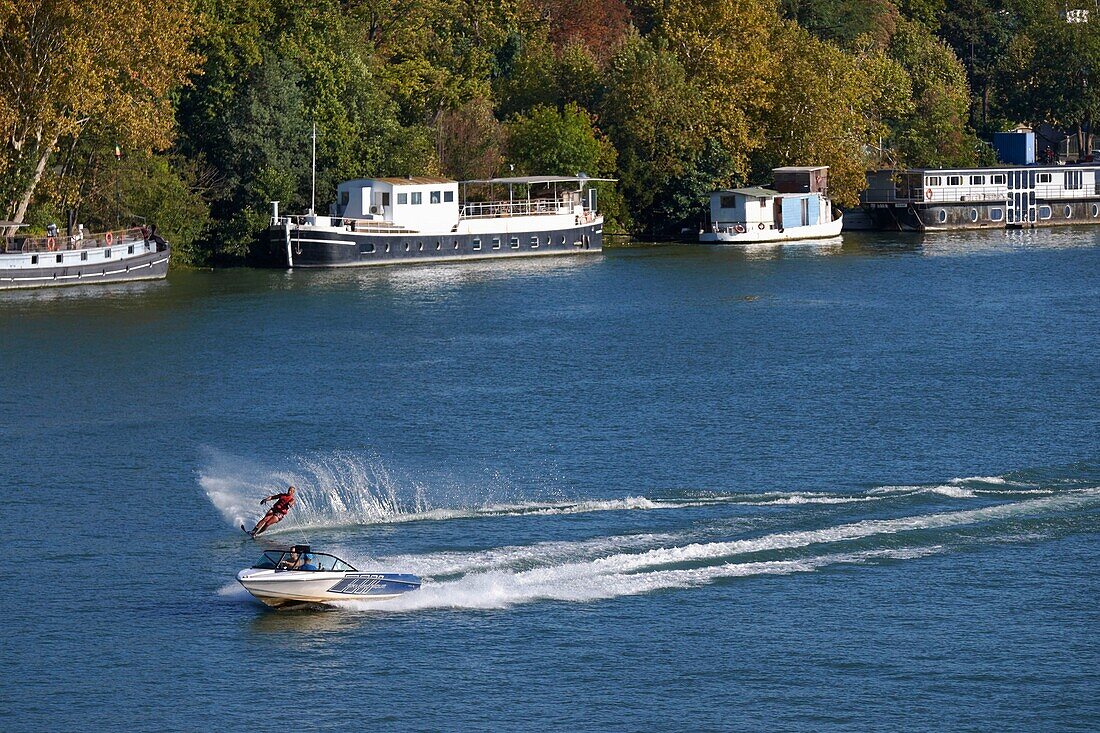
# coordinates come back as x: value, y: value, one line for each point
x: 345, y: 196
x: 728, y: 202
x: 34, y: 258
x: 448, y: 196
x: 417, y: 198
x: 107, y: 253
x: 1043, y: 178
x: 515, y: 242
x: 434, y: 197
x: 83, y: 256
x: 1073, y: 180
x: 943, y: 216
x: 385, y: 198
x: 130, y: 250
x: 477, y: 245
x: 1069, y: 211
x: 997, y: 180
x: 977, y: 180
x: 934, y: 180
x: 534, y: 242
x: 59, y: 258
x: 496, y: 242
x: 402, y: 198
x: 995, y: 215
x: 954, y: 180
x: 1044, y: 212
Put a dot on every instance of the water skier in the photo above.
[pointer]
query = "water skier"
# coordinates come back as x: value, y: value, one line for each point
x: 283, y: 503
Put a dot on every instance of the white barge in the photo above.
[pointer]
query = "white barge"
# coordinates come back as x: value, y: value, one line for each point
x: 114, y: 256
x: 382, y: 221
x: 796, y: 207
x: 1022, y: 196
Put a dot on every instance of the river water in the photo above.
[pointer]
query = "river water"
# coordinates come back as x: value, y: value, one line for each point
x: 817, y: 487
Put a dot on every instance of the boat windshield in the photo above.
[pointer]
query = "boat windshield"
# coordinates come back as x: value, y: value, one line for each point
x: 307, y: 561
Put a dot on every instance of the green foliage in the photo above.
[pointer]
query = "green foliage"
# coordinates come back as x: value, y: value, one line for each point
x: 558, y: 142
x: 935, y: 132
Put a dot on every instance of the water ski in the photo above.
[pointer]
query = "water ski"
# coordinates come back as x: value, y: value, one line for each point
x: 245, y: 530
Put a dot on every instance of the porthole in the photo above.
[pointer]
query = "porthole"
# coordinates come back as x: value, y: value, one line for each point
x: 419, y: 246
x: 973, y: 215
x: 1095, y: 211
x: 943, y: 216
x: 438, y: 245
x: 387, y: 247
x: 1069, y: 211
x: 996, y: 215
x: 456, y: 245
x: 406, y: 246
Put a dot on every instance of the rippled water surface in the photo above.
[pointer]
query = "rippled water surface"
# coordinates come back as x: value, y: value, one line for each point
x: 821, y: 487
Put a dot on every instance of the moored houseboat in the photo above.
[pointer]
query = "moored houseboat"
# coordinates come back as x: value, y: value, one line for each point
x: 932, y: 199
x: 61, y: 259
x: 795, y: 207
x: 381, y: 221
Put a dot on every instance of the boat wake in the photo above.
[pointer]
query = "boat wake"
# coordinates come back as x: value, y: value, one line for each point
x: 611, y: 567
x: 345, y: 489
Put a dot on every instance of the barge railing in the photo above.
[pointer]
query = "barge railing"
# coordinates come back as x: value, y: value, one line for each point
x: 66, y: 243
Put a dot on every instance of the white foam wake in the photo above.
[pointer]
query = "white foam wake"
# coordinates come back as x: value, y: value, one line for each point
x: 624, y: 573
x: 500, y: 589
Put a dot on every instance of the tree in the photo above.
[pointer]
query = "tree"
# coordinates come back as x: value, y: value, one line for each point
x: 810, y: 123
x: 935, y: 132
x: 558, y: 142
x: 1052, y: 73
x: 68, y: 68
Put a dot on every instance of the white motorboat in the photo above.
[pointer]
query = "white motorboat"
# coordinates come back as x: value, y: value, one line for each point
x: 296, y: 576
x: 796, y: 208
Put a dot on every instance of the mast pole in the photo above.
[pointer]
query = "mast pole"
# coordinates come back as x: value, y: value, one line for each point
x: 313, y: 192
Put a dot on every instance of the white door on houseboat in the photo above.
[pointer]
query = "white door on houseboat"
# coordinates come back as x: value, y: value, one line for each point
x: 1020, y: 207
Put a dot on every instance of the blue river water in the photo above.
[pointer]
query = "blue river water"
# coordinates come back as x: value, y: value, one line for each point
x: 671, y: 488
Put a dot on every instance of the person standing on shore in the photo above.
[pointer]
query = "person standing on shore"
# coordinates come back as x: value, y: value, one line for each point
x: 283, y: 503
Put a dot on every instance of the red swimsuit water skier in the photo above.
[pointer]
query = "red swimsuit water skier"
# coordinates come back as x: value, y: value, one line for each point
x: 282, y: 505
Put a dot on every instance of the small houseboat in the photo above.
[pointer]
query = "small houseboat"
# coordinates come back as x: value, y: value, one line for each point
x: 382, y: 221
x: 77, y: 259
x: 795, y: 207
x: 1014, y: 196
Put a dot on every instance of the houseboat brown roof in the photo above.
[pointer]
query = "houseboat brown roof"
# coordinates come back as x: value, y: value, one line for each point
x: 413, y: 180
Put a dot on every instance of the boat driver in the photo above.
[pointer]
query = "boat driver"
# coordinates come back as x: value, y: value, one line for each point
x: 290, y: 561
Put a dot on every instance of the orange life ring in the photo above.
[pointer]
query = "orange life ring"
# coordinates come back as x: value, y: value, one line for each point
x: 51, y: 244
x: 110, y: 237
x: 738, y: 228
x: 928, y: 194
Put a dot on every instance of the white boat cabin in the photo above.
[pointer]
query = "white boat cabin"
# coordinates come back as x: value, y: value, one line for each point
x: 416, y: 202
x: 797, y: 200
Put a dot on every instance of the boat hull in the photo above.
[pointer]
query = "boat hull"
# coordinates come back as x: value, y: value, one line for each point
x: 755, y: 235
x: 279, y: 588
x: 301, y: 246
x: 150, y: 265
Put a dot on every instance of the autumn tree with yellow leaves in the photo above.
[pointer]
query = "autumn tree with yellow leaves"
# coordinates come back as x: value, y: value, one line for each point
x: 73, y: 68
